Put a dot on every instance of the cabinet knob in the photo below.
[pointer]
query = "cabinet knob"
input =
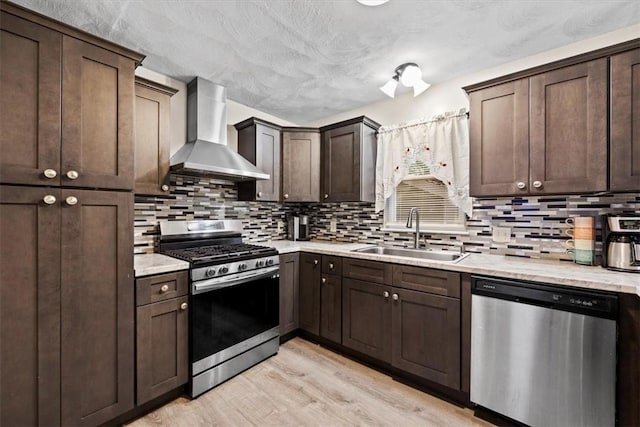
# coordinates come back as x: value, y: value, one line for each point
x: 259, y: 194
x: 164, y: 288
x: 183, y: 306
x: 326, y: 196
x: 50, y: 173
x: 324, y: 280
x: 395, y: 297
x: 385, y: 294
x: 537, y: 184
x: 164, y: 187
x: 330, y: 266
x: 521, y: 185
x: 286, y: 196
x: 49, y: 199
x: 72, y: 174
x: 71, y: 200
x: 315, y: 262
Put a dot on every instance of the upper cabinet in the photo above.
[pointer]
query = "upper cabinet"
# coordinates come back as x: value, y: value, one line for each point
x: 348, y: 160
x: 624, y: 172
x: 67, y: 106
x: 152, y: 143
x: 259, y: 142
x: 300, y: 165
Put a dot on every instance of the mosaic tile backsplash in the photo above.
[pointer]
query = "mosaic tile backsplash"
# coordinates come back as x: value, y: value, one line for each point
x: 537, y: 223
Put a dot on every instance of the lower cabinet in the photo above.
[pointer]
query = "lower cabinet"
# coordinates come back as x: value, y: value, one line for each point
x: 331, y: 307
x: 309, y: 293
x: 289, y: 278
x: 161, y: 334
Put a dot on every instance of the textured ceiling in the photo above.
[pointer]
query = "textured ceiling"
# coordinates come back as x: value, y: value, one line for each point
x: 303, y: 60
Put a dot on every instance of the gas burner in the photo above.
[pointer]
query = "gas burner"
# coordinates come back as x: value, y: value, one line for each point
x: 221, y: 253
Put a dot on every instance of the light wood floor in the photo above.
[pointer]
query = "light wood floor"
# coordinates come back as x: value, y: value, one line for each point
x: 307, y: 385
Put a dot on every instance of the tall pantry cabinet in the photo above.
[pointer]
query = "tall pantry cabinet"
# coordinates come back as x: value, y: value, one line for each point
x: 66, y: 215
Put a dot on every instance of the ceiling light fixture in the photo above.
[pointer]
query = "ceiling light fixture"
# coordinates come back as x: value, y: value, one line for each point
x: 372, y: 2
x: 409, y: 75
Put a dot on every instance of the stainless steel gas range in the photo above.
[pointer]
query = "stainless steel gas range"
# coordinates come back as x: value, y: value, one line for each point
x: 234, y: 295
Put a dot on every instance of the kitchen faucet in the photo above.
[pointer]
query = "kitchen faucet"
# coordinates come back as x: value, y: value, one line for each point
x: 410, y: 224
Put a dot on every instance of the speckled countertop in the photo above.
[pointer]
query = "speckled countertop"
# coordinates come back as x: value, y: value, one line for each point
x: 544, y: 271
x: 148, y: 264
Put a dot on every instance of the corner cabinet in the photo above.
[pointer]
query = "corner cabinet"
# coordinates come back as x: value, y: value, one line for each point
x: 300, y: 165
x: 259, y: 142
x: 152, y: 137
x: 289, y: 279
x: 348, y: 160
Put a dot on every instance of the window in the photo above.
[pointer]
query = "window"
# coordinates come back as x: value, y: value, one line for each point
x: 429, y: 195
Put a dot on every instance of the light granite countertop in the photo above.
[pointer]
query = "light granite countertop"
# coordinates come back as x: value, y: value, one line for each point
x: 148, y: 264
x: 544, y: 271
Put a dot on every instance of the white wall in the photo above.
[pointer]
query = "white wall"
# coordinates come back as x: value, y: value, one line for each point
x: 448, y: 96
x: 236, y: 112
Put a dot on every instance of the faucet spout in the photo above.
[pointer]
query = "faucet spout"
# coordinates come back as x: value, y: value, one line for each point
x: 416, y: 242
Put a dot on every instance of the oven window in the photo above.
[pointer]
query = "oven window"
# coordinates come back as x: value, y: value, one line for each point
x: 228, y: 316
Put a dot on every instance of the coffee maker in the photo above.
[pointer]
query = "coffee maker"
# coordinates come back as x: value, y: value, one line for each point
x: 298, y: 227
x: 621, y: 237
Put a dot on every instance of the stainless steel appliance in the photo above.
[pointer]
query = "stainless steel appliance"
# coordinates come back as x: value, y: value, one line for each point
x: 298, y: 228
x: 621, y: 235
x: 543, y: 355
x: 234, y: 299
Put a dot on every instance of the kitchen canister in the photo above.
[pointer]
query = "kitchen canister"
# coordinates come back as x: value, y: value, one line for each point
x: 581, y: 246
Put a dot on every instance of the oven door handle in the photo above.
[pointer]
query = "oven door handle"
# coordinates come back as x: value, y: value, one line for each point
x: 225, y: 282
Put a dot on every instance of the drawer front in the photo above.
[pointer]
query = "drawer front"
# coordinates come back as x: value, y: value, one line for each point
x: 369, y: 271
x: 161, y: 287
x: 437, y: 282
x: 331, y: 265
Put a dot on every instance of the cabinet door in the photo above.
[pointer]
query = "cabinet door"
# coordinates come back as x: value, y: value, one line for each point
x: 426, y: 336
x: 152, y: 118
x: 289, y: 269
x: 300, y: 166
x: 162, y: 352
x: 568, y: 141
x: 29, y: 307
x: 30, y: 102
x: 366, y: 318
x: 624, y: 166
x: 331, y: 307
x: 309, y: 293
x: 499, y: 140
x: 97, y: 117
x: 268, y: 161
x: 97, y: 327
x: 341, y: 164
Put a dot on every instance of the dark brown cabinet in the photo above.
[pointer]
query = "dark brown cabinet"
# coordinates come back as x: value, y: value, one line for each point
x: 624, y: 167
x: 289, y: 279
x: 152, y: 139
x: 300, y: 165
x: 259, y: 142
x: 161, y: 334
x: 348, y: 160
x: 309, y: 293
x: 331, y: 299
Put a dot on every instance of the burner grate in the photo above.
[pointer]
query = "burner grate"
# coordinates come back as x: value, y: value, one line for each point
x: 219, y: 252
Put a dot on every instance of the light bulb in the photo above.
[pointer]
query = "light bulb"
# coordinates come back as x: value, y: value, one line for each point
x: 389, y: 87
x: 410, y: 75
x: 419, y: 87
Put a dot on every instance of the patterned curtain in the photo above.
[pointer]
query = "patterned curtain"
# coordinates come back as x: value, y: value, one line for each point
x: 439, y: 145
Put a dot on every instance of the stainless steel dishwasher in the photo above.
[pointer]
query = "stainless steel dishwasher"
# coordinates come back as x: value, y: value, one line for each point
x: 543, y: 355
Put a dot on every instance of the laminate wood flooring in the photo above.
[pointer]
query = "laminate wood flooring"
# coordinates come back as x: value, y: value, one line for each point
x: 307, y: 385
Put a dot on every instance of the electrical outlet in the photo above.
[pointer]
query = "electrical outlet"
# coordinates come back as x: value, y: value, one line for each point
x: 279, y: 226
x: 502, y: 234
x: 333, y: 226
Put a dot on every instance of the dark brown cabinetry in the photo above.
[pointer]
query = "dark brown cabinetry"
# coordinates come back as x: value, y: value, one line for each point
x: 289, y: 279
x: 300, y: 165
x: 161, y: 334
x: 331, y: 299
x: 348, y: 161
x: 624, y: 167
x: 309, y: 293
x: 152, y: 142
x: 259, y: 142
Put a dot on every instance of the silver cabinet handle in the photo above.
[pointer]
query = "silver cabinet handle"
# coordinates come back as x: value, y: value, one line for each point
x: 315, y: 262
x: 164, y: 187
x: 326, y: 196
x: 71, y: 200
x: 324, y: 280
x: 537, y: 184
x: 395, y: 297
x: 259, y: 194
x: 72, y: 174
x: 385, y: 294
x: 49, y: 199
x: 286, y: 196
x: 521, y: 185
x: 50, y: 173
x: 330, y: 266
x: 183, y: 306
x: 164, y: 288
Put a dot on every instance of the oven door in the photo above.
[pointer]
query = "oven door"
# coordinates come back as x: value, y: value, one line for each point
x: 230, y: 315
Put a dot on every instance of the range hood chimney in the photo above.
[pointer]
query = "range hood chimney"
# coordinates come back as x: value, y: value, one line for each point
x: 206, y: 152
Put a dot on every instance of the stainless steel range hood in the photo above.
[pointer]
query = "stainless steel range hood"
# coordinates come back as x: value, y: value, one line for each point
x: 206, y: 152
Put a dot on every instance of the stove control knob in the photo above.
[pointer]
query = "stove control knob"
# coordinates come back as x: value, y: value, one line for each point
x: 242, y: 267
x: 223, y: 270
x: 259, y: 263
x: 269, y: 261
x: 210, y: 272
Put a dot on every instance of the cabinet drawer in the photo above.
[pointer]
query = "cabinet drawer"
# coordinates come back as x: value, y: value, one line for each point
x: 427, y: 280
x: 331, y: 265
x: 161, y: 287
x: 370, y: 271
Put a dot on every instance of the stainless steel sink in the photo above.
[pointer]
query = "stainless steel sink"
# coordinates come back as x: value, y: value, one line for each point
x: 413, y: 253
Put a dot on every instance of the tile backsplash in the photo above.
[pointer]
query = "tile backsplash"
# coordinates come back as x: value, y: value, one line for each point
x: 537, y: 223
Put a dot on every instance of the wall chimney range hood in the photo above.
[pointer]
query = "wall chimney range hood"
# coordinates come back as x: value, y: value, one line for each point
x: 206, y: 152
